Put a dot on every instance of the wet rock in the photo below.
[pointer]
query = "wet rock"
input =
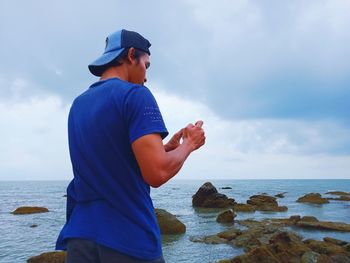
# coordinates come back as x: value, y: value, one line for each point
x: 337, y: 193
x: 314, y: 198
x: 243, y: 208
x: 335, y: 241
x: 34, y: 225
x: 310, y: 257
x: 49, y: 257
x: 324, y: 225
x: 226, y: 217
x: 211, y: 240
x: 308, y: 219
x: 168, y: 223
x: 207, y: 196
x: 324, y: 247
x: 226, y: 187
x: 29, y: 210
x: 230, y: 234
x: 341, y: 198
x: 283, y: 247
x: 280, y: 195
x: 265, y: 203
x: 340, y: 258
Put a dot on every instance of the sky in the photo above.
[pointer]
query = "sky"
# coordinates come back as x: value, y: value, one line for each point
x: 270, y: 80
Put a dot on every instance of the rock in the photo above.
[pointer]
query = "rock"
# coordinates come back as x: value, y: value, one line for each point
x: 335, y: 241
x: 211, y: 240
x: 336, y: 226
x: 226, y: 217
x: 266, y: 241
x: 207, y: 196
x: 243, y: 208
x: 34, y: 225
x: 337, y: 193
x: 265, y: 203
x: 29, y: 210
x: 339, y: 258
x: 168, y: 223
x: 230, y: 234
x: 324, y: 247
x: 280, y: 195
x: 283, y: 247
x: 49, y: 257
x: 341, y: 198
x: 64, y: 196
x: 314, y: 198
x: 310, y: 257
x: 309, y: 219
x: 226, y: 187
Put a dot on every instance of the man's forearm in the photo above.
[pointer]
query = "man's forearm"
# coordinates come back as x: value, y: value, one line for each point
x: 174, y: 160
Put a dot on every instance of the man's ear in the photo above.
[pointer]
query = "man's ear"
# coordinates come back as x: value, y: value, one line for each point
x: 131, y: 55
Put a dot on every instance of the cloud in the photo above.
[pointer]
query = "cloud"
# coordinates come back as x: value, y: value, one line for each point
x: 270, y: 78
x: 245, y: 58
x: 34, y: 143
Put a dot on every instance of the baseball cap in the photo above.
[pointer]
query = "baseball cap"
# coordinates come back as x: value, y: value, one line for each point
x: 116, y: 43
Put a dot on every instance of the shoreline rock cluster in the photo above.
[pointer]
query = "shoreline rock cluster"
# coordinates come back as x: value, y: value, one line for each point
x: 263, y: 241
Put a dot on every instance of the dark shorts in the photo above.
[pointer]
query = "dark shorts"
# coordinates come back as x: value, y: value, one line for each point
x: 86, y: 251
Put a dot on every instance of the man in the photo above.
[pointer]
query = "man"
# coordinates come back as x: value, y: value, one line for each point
x: 115, y: 133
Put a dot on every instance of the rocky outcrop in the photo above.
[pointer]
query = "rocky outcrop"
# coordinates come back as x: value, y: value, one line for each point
x: 226, y: 217
x: 324, y: 225
x: 314, y: 198
x: 260, y: 203
x: 265, y: 203
x: 297, y: 221
x: 168, y: 223
x: 29, y: 210
x: 208, y: 196
x: 49, y: 257
x: 267, y: 241
x: 337, y: 193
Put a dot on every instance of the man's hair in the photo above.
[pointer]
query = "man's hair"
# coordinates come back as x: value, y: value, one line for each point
x: 119, y: 60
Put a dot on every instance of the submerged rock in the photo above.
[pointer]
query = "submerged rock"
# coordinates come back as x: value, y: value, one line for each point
x: 337, y: 193
x: 226, y: 217
x: 341, y: 198
x: 168, y: 223
x: 29, y: 210
x: 314, y: 198
x: 297, y: 221
x: 280, y: 195
x: 49, y: 257
x: 208, y: 196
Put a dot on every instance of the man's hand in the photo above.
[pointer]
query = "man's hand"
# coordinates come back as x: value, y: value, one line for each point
x: 194, y: 135
x: 158, y: 166
x: 174, y: 142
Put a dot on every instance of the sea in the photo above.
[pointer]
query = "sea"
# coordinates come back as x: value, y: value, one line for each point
x: 19, y: 241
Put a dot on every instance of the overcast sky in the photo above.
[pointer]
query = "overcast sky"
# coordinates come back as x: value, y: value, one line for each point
x: 270, y: 79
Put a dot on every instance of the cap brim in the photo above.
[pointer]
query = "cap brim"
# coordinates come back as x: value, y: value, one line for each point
x: 99, y: 65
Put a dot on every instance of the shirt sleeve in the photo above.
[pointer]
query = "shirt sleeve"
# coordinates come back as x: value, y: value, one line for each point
x: 142, y: 114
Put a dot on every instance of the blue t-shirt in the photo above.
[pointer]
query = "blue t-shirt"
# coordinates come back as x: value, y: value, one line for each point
x: 108, y: 200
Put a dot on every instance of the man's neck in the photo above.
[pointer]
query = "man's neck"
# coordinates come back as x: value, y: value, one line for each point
x: 119, y: 72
